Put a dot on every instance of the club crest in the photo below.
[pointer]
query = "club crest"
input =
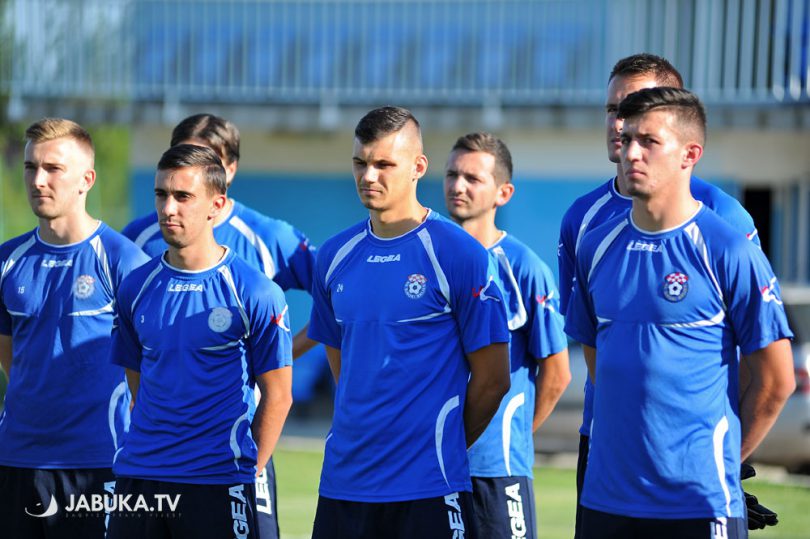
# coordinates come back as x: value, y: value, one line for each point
x: 84, y: 287
x: 220, y: 319
x: 415, y: 286
x: 676, y: 285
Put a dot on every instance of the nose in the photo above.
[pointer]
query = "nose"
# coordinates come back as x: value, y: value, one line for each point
x: 369, y: 175
x: 631, y: 151
x: 454, y: 186
x: 39, y: 178
x: 166, y: 205
x: 617, y: 124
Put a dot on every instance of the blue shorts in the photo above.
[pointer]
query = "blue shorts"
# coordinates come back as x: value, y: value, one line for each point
x: 37, y: 504
x: 266, y: 506
x: 599, y: 525
x: 162, y: 510
x: 503, y: 507
x: 443, y: 517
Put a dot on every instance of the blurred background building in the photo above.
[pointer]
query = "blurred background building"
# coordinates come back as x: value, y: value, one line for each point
x: 295, y: 76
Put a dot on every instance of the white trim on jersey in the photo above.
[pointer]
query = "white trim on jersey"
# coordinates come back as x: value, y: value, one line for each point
x: 447, y: 310
x: 713, y: 321
x: 268, y: 264
x: 119, y: 391
x: 427, y: 243
x: 237, y: 452
x: 342, y: 253
x: 101, y: 253
x: 603, y: 246
x: 520, y: 317
x: 226, y: 274
x: 106, y: 309
x: 15, y: 254
x: 451, y: 404
x: 696, y: 235
x: 719, y: 433
x: 219, y: 347
x: 146, y: 282
x: 506, y: 431
x: 146, y: 234
x: 588, y: 217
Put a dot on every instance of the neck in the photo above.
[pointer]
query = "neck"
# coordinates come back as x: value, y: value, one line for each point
x: 225, y: 213
x: 483, y: 229
x: 620, y: 185
x: 196, y: 257
x: 664, y: 210
x: 393, y: 223
x: 68, y: 229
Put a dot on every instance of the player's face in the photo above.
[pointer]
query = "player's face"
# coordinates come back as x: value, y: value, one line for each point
x: 185, y: 206
x: 230, y: 167
x: 470, y: 188
x: 386, y: 170
x: 58, y: 175
x: 618, y: 89
x: 652, y: 156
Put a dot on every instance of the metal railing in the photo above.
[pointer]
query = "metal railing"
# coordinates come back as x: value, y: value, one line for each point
x: 443, y: 52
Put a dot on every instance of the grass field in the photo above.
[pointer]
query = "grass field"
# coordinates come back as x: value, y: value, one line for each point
x: 298, y: 471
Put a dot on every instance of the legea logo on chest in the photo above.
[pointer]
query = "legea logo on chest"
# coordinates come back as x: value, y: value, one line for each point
x: 185, y: 287
x: 383, y: 258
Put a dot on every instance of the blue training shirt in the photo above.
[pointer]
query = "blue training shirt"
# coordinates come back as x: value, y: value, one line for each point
x: 506, y: 448
x: 604, y: 203
x: 404, y: 312
x: 66, y: 406
x: 198, y: 339
x: 275, y: 247
x: 666, y: 312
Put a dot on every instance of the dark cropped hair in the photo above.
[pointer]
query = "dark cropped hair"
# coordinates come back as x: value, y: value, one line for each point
x: 684, y: 104
x: 488, y: 143
x: 645, y: 64
x: 217, y: 133
x: 190, y: 155
x: 382, y: 122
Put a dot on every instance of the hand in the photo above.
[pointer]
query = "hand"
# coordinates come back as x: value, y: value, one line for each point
x: 759, y: 516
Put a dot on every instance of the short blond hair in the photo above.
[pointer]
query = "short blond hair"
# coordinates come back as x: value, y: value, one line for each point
x: 48, y: 129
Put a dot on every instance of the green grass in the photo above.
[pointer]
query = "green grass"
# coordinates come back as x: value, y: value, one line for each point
x: 298, y: 472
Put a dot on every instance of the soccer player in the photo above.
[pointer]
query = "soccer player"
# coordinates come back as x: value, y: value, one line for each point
x: 612, y: 198
x: 197, y: 329
x: 66, y: 407
x: 272, y: 246
x: 477, y: 181
x: 663, y: 296
x: 416, y: 335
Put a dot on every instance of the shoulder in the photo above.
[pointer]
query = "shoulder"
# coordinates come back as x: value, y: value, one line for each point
x: 343, y: 239
x: 13, y: 244
x: 132, y: 282
x: 521, y: 255
x: 719, y: 234
x: 725, y: 205
x: 451, y: 237
x: 580, y: 206
x: 265, y: 226
x: 252, y: 282
x: 603, y: 235
x: 136, y: 227
x: 120, y: 247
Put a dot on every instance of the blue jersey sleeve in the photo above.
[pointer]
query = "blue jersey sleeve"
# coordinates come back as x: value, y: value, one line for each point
x: 580, y: 319
x: 545, y: 324
x: 125, y: 349
x: 270, y: 339
x: 754, y: 300
x: 566, y: 257
x: 295, y: 259
x: 477, y: 300
x: 322, y: 324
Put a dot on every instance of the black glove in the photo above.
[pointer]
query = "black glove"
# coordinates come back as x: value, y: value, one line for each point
x: 759, y: 516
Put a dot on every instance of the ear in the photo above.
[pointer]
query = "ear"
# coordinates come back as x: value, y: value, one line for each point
x: 217, y: 205
x: 420, y: 167
x: 692, y: 154
x: 504, y: 193
x: 88, y: 181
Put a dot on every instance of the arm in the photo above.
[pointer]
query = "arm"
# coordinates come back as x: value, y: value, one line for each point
x: 333, y: 355
x: 489, y: 382
x: 301, y: 343
x: 276, y: 390
x: 134, y: 382
x: 590, y: 359
x: 553, y: 376
x: 772, y: 382
x: 5, y: 354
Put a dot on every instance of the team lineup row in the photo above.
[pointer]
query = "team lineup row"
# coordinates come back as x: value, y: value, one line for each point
x: 152, y: 369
